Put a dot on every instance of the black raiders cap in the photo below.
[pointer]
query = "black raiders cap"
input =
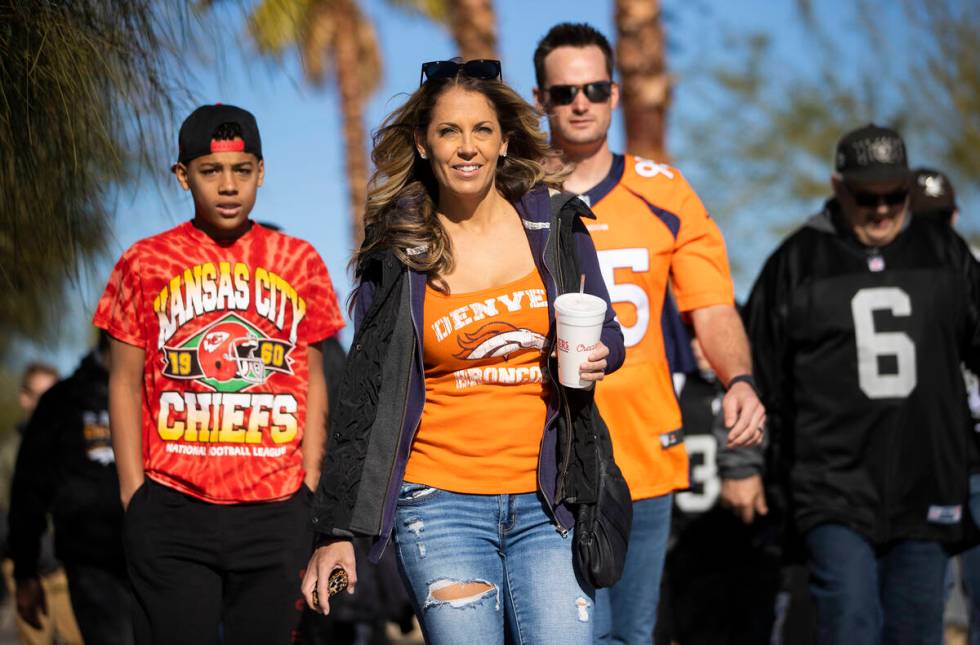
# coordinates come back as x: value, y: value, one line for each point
x: 871, y: 154
x: 197, y: 132
x: 932, y: 194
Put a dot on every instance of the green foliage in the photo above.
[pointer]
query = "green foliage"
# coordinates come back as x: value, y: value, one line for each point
x: 779, y: 126
x: 314, y: 28
x: 764, y: 140
x: 85, y: 95
x: 10, y: 416
x: 434, y: 10
x: 278, y: 24
x: 946, y: 85
x: 10, y: 413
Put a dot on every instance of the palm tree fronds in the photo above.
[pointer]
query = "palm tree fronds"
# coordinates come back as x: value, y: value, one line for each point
x: 434, y: 10
x: 88, y: 93
x: 277, y: 24
x: 319, y: 40
x: 369, y: 53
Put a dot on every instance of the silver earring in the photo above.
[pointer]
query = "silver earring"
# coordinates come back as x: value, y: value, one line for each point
x: 503, y: 154
x: 422, y: 154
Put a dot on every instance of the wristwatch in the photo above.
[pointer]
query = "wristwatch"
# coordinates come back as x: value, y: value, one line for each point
x: 743, y: 378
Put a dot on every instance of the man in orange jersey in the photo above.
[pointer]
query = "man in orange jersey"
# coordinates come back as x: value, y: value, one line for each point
x: 653, y: 235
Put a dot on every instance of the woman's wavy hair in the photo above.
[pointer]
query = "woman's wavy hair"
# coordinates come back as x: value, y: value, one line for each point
x: 402, y: 192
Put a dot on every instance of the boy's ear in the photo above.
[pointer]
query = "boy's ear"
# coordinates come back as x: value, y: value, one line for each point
x: 261, y: 169
x: 180, y: 170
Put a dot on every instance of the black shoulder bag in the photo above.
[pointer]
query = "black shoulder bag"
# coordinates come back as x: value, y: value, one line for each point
x: 603, y: 505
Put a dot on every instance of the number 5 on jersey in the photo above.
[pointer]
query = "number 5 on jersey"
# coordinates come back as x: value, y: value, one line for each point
x: 638, y: 261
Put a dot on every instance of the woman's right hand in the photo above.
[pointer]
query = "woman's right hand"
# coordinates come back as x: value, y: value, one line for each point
x: 325, y: 559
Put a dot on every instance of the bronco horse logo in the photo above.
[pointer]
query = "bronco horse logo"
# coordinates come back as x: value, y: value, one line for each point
x: 497, y: 339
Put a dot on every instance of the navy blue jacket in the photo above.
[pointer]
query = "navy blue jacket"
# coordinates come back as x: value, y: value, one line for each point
x: 384, y: 384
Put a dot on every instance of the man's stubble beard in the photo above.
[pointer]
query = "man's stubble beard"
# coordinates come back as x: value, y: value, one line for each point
x: 573, y: 143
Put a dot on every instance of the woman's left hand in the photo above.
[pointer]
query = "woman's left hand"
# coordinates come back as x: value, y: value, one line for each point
x: 594, y: 369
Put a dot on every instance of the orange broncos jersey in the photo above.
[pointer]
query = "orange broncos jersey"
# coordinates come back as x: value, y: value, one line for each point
x: 651, y: 233
x: 482, y: 353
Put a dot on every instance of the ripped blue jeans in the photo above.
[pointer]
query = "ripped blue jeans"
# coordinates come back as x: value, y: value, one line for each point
x: 477, y: 565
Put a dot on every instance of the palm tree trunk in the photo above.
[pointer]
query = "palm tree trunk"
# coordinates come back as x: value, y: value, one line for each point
x: 646, y: 85
x: 474, y: 26
x: 352, y: 98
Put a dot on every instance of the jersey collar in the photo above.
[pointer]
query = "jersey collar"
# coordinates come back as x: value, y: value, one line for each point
x: 193, y: 231
x: 603, y: 188
x: 831, y: 219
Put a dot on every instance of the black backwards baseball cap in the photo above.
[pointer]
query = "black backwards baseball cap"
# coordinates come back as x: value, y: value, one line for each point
x: 932, y: 195
x: 871, y: 154
x: 196, y: 138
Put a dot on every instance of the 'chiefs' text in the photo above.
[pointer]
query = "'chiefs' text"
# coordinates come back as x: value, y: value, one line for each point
x: 207, y: 417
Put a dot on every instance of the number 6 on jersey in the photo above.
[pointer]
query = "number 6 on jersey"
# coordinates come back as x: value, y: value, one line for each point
x: 871, y: 343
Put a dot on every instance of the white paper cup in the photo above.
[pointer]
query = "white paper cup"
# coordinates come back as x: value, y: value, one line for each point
x: 579, y: 317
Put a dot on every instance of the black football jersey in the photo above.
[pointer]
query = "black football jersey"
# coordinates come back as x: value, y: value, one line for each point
x: 857, y: 352
x: 973, y: 399
x: 702, y: 572
x: 700, y: 401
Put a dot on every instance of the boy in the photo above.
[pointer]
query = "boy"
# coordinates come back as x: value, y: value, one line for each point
x: 217, y: 400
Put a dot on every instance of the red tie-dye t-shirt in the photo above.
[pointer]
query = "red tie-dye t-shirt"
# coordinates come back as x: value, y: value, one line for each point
x: 225, y: 328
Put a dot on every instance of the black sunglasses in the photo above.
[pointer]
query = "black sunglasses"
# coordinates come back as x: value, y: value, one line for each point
x: 485, y: 69
x: 872, y: 200
x: 596, y: 92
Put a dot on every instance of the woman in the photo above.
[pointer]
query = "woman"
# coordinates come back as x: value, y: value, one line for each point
x: 447, y: 435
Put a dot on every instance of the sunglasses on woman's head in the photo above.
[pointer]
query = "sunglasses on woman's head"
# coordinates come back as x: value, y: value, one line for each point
x: 596, y: 92
x: 484, y: 69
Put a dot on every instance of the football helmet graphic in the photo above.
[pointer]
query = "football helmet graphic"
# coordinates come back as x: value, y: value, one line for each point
x: 229, y: 351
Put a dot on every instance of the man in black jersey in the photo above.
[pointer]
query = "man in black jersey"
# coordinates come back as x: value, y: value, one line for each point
x: 859, y: 323
x: 933, y: 196
x: 714, y: 592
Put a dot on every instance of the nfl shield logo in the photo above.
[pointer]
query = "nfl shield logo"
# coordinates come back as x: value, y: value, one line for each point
x: 876, y: 263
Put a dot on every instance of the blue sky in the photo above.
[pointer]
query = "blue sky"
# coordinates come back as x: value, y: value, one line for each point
x: 302, y: 139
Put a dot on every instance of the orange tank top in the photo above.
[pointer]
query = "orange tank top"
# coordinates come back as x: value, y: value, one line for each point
x: 485, y: 405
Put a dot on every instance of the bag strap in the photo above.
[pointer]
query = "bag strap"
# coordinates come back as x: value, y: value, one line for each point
x: 559, y: 198
x: 562, y: 198
x: 566, y: 207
